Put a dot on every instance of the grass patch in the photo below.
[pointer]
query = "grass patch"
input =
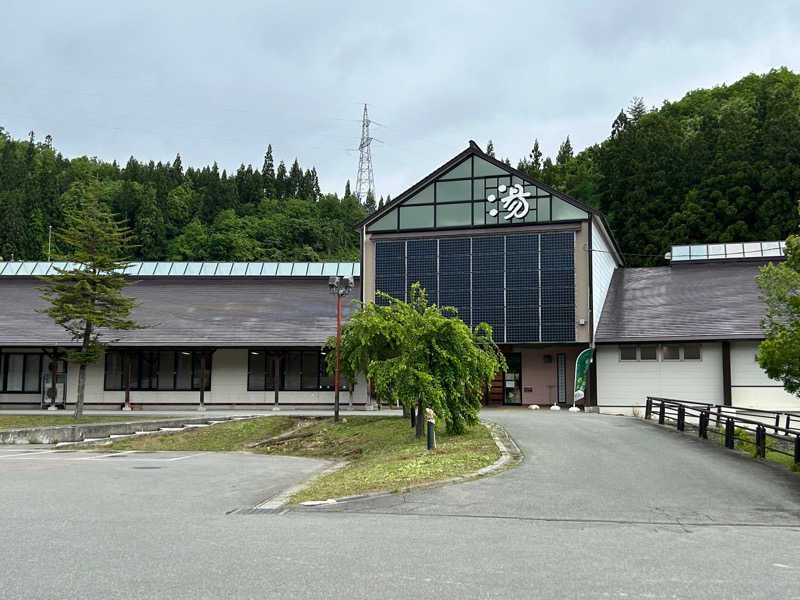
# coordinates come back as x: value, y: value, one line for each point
x: 747, y: 441
x: 48, y: 420
x: 224, y: 437
x: 382, y: 452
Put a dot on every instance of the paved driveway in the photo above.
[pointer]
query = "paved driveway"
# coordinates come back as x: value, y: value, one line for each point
x: 602, y: 507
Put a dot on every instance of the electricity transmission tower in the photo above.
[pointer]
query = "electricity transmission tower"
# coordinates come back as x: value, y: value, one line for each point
x: 365, y: 182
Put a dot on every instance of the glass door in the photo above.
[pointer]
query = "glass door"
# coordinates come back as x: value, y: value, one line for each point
x: 512, y: 379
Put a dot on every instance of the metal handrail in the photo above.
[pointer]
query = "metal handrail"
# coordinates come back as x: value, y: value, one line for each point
x: 678, y: 410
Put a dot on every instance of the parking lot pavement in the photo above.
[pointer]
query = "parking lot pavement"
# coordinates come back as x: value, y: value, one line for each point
x: 105, y: 482
x: 602, y: 507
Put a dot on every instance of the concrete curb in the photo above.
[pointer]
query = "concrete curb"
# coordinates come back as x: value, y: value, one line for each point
x: 510, y: 456
x: 79, y: 433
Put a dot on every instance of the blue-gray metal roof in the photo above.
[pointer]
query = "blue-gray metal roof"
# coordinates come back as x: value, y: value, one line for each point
x: 198, y: 269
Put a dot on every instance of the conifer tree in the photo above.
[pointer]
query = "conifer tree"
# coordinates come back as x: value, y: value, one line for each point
x: 536, y: 158
x: 564, y: 152
x: 281, y: 182
x: 295, y: 184
x: 636, y: 109
x: 87, y: 299
x: 347, y: 192
x: 268, y: 174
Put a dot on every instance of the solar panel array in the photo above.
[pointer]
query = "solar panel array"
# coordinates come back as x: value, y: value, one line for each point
x: 197, y: 269
x: 522, y: 285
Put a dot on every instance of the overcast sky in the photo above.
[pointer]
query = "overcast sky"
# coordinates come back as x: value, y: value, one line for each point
x: 220, y: 80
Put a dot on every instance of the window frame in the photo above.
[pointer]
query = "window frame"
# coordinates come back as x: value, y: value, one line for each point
x: 136, y: 371
x: 308, y: 382
x: 4, y: 373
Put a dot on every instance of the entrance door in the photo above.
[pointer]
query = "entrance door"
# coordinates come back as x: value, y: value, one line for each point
x: 561, y: 377
x: 512, y: 379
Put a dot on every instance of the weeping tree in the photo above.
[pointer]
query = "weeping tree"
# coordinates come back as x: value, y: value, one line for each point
x: 419, y: 354
x: 85, y: 296
x: 779, y: 353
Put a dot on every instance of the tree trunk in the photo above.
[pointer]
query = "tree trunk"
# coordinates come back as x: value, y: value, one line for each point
x: 87, y: 336
x: 81, y: 387
x: 420, y: 418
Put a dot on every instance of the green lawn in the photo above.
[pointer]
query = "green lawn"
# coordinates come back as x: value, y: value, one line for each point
x: 381, y: 451
x: 48, y: 419
x: 224, y: 437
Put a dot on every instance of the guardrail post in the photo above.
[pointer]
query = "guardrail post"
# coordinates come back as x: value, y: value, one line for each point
x: 797, y: 450
x: 681, y: 417
x: 648, y: 408
x: 788, y: 420
x: 729, y: 433
x: 777, y: 422
x: 719, y: 414
x: 703, y: 430
x: 661, y: 412
x: 761, y: 441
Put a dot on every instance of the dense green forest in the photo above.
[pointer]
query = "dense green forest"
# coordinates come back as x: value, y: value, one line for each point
x: 718, y: 165
x: 196, y: 214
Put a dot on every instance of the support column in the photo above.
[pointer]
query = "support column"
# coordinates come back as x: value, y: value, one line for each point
x: 726, y: 373
x: 127, y: 381
x: 202, y: 380
x: 276, y: 378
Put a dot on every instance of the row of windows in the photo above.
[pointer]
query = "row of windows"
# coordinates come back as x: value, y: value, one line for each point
x: 156, y: 370
x: 298, y: 369
x: 664, y: 352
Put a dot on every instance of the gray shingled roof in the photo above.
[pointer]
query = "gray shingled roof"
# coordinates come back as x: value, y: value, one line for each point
x: 703, y: 301
x: 193, y: 312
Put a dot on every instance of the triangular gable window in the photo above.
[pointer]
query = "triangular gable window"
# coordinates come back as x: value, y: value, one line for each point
x: 460, y: 171
x: 477, y: 193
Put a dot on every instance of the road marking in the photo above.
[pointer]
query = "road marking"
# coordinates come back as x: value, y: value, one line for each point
x: 27, y: 454
x: 110, y: 454
x: 178, y: 458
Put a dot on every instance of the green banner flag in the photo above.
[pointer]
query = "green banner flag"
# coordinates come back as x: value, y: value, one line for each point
x: 582, y: 372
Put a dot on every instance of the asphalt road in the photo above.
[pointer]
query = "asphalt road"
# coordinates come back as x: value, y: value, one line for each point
x: 602, y: 507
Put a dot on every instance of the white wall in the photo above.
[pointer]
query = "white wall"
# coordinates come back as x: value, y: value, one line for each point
x: 603, y: 265
x: 750, y: 386
x: 621, y: 384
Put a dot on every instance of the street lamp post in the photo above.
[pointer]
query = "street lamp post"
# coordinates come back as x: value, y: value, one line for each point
x: 341, y: 286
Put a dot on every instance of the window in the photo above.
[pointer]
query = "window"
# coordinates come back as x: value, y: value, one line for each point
x: 671, y: 352
x: 151, y: 370
x: 21, y: 373
x: 416, y: 217
x: 691, y: 352
x: 301, y: 369
x: 627, y: 352
x: 648, y: 352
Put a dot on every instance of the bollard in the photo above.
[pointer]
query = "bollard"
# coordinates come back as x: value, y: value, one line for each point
x: 431, y: 433
x: 702, y: 431
x: 729, y: 433
x: 681, y: 417
x: 761, y: 441
x: 648, y: 408
x: 661, y: 413
x: 413, y: 418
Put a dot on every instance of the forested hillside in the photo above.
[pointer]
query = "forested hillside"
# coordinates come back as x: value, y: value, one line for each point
x: 719, y: 165
x: 196, y: 214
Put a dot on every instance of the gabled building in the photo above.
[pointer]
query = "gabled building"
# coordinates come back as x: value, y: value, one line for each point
x: 504, y: 249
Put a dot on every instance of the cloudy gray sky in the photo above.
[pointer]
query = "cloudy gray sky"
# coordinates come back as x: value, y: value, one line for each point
x: 220, y: 80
